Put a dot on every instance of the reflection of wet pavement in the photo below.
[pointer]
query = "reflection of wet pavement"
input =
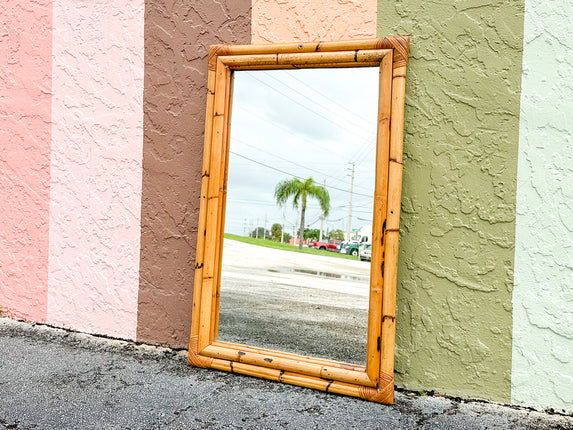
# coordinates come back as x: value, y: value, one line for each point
x: 308, y: 304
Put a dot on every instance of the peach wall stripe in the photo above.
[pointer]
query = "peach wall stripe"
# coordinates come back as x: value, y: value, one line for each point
x: 96, y: 162
x: 25, y: 104
x: 277, y: 21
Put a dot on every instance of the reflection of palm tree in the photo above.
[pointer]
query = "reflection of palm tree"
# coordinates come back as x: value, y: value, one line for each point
x: 299, y: 191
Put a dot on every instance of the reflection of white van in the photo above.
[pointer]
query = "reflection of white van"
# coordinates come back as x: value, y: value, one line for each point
x: 365, y: 252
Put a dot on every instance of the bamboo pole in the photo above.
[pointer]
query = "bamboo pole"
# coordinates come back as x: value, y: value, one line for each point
x: 277, y: 361
x: 394, y: 196
x: 389, y: 307
x: 306, y: 66
x: 303, y: 59
x: 399, y: 43
x: 292, y: 378
x: 274, y: 353
x: 357, y: 56
x: 223, y: 201
x: 214, y: 207
x: 199, y: 256
x: 379, y: 216
x: 392, y: 227
x: 397, y: 126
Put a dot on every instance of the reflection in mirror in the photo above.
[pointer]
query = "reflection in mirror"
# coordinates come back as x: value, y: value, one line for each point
x: 288, y: 125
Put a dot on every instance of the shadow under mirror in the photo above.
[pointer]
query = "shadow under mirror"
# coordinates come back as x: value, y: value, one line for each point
x: 294, y: 133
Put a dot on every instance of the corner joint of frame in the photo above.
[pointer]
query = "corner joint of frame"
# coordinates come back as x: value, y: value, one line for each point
x: 194, y: 359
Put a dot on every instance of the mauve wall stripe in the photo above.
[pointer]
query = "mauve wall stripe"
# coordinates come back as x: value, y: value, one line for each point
x: 177, y: 38
x: 25, y: 139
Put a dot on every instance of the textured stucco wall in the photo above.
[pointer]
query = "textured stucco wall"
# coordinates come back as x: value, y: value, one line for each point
x: 542, y: 374
x: 277, y: 21
x: 25, y: 138
x: 454, y: 321
x: 96, y: 165
x: 177, y: 38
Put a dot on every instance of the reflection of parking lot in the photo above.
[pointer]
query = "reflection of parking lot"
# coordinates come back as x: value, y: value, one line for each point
x: 311, y: 304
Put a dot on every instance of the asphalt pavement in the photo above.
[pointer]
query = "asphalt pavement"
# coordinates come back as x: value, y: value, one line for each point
x: 57, y: 379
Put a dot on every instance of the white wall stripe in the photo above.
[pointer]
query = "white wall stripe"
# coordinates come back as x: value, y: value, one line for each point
x: 542, y: 362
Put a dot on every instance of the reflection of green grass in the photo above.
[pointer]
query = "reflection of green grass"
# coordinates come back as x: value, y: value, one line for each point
x: 286, y: 247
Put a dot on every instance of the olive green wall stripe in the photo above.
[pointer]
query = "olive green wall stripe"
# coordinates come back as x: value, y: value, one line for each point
x: 454, y: 324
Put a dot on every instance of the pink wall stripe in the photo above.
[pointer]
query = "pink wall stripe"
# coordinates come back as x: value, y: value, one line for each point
x: 25, y: 104
x: 308, y: 20
x: 97, y: 145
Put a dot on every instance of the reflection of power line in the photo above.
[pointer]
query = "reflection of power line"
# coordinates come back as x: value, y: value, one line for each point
x: 332, y: 101
x: 303, y: 137
x: 363, y: 150
x: 303, y: 106
x: 364, y: 219
x: 290, y: 174
x: 242, y: 142
x: 251, y: 202
x: 326, y: 97
x: 284, y: 159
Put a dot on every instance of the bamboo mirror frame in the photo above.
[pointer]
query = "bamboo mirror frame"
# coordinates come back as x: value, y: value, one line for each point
x: 375, y: 381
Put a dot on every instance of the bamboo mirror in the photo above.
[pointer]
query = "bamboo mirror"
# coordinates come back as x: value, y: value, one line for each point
x: 217, y: 336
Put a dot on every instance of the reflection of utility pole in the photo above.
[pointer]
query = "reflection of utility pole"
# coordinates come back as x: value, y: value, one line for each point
x: 321, y: 219
x: 265, y: 229
x: 283, y: 229
x: 348, y: 226
x: 257, y: 229
x: 295, y: 227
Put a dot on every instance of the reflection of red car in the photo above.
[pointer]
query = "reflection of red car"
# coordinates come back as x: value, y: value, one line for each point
x: 322, y: 245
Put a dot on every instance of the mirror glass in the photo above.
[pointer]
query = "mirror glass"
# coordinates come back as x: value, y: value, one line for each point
x: 291, y: 131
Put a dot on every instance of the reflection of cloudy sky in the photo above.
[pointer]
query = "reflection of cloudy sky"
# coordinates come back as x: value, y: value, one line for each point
x: 309, y: 122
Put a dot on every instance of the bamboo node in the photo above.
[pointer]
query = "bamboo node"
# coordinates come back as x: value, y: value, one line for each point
x: 392, y: 317
x: 328, y: 386
x: 198, y: 265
